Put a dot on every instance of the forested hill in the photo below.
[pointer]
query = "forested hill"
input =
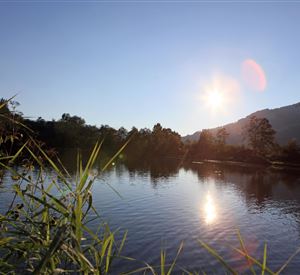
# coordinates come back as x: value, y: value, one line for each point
x: 285, y: 121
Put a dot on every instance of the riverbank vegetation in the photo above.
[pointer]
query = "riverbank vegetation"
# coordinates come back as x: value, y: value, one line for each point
x: 71, y: 132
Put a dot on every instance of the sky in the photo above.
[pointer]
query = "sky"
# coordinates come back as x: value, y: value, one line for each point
x: 136, y: 63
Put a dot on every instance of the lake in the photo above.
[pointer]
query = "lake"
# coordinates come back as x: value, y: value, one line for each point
x: 164, y: 204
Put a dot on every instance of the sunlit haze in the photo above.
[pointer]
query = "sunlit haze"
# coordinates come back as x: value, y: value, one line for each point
x: 215, y: 99
x: 188, y: 65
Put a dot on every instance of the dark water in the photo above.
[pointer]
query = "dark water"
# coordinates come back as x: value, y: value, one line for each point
x: 163, y: 205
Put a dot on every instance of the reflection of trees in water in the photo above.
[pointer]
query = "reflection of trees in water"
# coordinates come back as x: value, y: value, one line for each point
x: 260, y: 187
x: 263, y: 186
x: 256, y: 184
x: 159, y: 169
x: 69, y: 158
x: 265, y: 189
x: 206, y: 170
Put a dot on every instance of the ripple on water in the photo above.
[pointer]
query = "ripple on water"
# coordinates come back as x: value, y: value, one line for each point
x: 195, y: 204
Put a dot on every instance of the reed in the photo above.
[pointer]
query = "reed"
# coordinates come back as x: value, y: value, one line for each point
x: 45, y: 230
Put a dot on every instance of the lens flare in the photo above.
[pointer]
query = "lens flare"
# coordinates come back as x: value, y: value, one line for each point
x: 254, y: 75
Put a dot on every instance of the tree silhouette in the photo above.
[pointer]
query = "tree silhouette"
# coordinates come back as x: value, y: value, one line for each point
x: 260, y: 135
x: 205, y: 144
x: 291, y: 152
x: 221, y: 136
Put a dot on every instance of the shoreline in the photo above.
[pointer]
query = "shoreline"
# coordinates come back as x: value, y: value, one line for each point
x: 274, y: 165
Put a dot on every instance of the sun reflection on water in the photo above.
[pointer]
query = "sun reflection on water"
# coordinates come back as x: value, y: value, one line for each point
x: 210, y: 211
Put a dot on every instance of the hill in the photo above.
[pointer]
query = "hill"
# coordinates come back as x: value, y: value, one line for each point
x: 285, y: 121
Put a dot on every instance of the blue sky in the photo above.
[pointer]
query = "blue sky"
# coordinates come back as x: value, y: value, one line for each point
x: 138, y: 63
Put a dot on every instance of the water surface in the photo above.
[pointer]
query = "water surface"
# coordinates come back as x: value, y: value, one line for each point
x: 162, y: 205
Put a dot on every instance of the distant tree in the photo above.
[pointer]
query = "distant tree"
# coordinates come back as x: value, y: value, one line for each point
x: 205, y: 138
x: 220, y: 143
x: 133, y: 131
x: 153, y: 145
x: 157, y: 128
x: 65, y: 117
x: 40, y: 120
x: 260, y: 135
x: 291, y: 151
x: 205, y: 144
x: 221, y: 136
x: 13, y: 106
x: 72, y: 119
x: 122, y: 133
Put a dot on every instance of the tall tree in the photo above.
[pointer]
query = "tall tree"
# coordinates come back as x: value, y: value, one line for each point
x: 291, y: 151
x: 205, y: 145
x: 221, y: 136
x: 260, y: 135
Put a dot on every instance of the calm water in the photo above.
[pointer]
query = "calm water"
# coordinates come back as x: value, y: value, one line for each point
x: 164, y: 205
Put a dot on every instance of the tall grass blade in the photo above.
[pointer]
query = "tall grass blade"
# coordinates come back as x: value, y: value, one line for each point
x: 264, y: 260
x: 53, y: 165
x: 258, y: 263
x: 55, y: 244
x: 246, y: 253
x: 90, y: 163
x: 18, y: 152
x: 6, y: 101
x: 175, y: 260
x: 217, y: 256
x: 116, y: 155
x: 4, y: 241
x: 288, y: 261
x: 162, y: 262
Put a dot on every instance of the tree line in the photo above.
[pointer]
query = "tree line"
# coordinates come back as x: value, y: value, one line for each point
x: 72, y: 132
x: 259, y: 145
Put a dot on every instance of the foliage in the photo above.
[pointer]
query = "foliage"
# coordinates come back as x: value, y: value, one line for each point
x: 260, y: 135
x: 204, y: 148
x: 72, y: 132
x: 221, y: 136
x: 155, y: 144
x: 10, y: 124
x: 146, y: 146
x: 46, y: 228
x: 290, y: 152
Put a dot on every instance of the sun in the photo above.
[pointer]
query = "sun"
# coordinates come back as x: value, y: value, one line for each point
x: 214, y: 99
x: 219, y: 94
